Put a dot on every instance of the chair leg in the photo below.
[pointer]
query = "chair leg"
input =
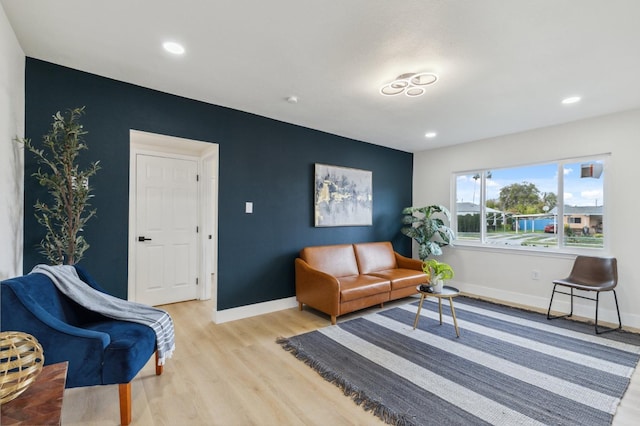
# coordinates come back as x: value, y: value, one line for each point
x: 551, y: 302
x: 571, y: 313
x: 606, y: 330
x: 159, y: 368
x: 615, y: 297
x: 549, y: 316
x: 597, y: 302
x: 124, y: 389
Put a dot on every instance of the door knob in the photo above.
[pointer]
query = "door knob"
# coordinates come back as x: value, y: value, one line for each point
x: 144, y: 239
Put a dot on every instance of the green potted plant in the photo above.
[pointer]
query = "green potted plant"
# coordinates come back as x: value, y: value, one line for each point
x: 427, y: 227
x: 438, y: 273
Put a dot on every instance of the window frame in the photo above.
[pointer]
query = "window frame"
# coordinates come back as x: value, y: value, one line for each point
x: 559, y: 248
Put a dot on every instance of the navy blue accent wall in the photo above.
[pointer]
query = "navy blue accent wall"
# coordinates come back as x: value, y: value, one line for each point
x: 262, y: 160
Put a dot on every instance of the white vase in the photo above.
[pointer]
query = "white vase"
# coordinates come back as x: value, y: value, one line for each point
x: 437, y: 285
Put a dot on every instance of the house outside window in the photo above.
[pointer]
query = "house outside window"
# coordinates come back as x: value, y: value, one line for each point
x: 519, y: 207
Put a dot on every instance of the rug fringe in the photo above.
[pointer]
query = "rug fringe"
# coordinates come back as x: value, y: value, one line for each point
x: 358, y: 396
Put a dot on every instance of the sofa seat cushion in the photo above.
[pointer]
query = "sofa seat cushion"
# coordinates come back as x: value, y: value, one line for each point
x: 131, y: 344
x: 337, y: 260
x: 373, y: 257
x: 359, y: 286
x: 402, y: 278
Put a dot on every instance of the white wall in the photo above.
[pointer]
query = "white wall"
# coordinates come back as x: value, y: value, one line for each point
x: 12, y: 65
x: 506, y: 275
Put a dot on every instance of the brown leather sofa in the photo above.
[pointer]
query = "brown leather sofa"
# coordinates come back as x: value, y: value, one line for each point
x: 338, y: 279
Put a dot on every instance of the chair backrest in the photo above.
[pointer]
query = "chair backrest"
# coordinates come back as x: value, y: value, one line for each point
x: 41, y: 290
x: 596, y: 272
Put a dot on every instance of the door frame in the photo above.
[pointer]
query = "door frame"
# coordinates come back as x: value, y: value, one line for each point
x: 207, y: 156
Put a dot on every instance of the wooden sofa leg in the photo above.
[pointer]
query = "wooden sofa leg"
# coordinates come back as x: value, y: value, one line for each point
x: 125, y: 403
x: 333, y: 320
x: 159, y: 368
x: 299, y: 306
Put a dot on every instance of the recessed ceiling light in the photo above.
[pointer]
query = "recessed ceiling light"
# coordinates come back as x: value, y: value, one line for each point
x: 173, y: 47
x: 430, y: 135
x: 571, y: 100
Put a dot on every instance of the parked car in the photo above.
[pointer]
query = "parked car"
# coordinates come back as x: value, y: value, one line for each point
x: 550, y: 228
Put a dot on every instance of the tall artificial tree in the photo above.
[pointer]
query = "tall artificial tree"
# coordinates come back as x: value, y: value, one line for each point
x: 65, y: 216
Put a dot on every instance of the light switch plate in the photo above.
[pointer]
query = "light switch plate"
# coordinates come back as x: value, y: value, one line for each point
x: 248, y: 207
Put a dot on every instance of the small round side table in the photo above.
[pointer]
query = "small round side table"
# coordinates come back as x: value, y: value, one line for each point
x: 446, y: 293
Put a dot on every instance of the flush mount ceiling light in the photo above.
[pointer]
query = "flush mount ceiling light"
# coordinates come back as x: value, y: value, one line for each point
x: 430, y: 135
x: 173, y: 47
x: 571, y: 100
x: 411, y: 84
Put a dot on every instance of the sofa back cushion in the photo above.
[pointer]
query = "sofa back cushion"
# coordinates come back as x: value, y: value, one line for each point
x: 372, y: 257
x: 337, y: 260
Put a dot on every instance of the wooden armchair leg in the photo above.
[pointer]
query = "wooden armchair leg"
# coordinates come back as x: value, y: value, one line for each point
x: 124, y: 390
x: 159, y: 368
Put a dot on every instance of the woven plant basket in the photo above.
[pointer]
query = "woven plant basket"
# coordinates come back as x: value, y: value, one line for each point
x: 21, y: 360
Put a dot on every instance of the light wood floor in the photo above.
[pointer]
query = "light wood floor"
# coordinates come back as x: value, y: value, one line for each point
x: 235, y: 374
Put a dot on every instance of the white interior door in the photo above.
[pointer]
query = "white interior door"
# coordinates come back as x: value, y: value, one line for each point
x: 166, y: 225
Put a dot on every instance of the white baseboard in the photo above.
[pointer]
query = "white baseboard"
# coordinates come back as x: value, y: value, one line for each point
x: 254, y: 310
x: 502, y: 295
x: 584, y: 309
x: 539, y: 302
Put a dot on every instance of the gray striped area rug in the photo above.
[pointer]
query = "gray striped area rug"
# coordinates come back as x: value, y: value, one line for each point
x: 509, y: 366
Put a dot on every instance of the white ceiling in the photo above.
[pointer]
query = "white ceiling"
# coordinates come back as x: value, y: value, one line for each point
x: 504, y: 66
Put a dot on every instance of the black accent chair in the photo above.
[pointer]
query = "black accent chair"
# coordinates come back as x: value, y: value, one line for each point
x: 590, y: 274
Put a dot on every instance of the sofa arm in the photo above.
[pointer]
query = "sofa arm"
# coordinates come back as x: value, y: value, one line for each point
x: 317, y: 289
x: 408, y: 263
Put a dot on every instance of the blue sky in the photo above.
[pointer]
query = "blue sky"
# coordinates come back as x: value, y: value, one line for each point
x: 578, y: 191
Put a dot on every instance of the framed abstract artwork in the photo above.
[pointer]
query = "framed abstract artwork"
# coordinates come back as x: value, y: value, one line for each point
x: 343, y: 196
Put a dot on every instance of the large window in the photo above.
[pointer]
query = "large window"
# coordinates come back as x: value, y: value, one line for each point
x: 520, y: 206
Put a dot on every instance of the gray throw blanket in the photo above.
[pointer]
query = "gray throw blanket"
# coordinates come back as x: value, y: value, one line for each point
x: 66, y: 279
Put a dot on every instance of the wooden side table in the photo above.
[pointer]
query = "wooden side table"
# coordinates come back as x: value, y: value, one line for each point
x: 41, y: 403
x: 446, y: 293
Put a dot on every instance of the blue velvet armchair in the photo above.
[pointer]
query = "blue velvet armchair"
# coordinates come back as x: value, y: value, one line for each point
x: 100, y: 350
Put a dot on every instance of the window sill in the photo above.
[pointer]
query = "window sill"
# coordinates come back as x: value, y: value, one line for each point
x: 567, y: 252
